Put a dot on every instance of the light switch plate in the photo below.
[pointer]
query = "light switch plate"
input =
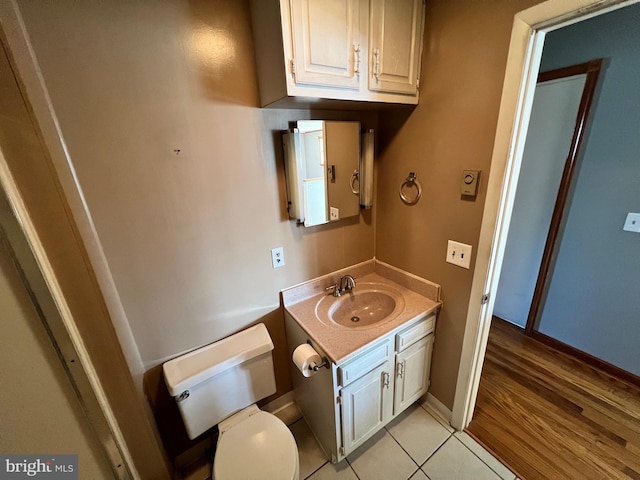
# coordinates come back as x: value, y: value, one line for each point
x: 277, y: 257
x: 632, y: 224
x: 459, y: 254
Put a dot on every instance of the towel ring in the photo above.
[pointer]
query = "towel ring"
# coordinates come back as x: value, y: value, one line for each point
x: 355, y: 177
x: 411, y: 180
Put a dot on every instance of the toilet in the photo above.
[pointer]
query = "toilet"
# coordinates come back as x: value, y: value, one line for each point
x: 219, y: 385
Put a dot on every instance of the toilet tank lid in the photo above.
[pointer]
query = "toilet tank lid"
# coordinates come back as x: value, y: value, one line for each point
x: 188, y: 370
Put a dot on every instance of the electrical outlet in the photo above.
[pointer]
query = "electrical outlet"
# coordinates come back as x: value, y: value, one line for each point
x: 632, y: 224
x: 277, y: 257
x: 334, y: 213
x: 459, y: 254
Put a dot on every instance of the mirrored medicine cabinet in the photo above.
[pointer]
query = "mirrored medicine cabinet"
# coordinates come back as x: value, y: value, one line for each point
x: 329, y: 170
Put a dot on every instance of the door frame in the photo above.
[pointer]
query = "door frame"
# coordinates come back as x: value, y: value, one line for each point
x: 523, y: 64
x: 592, y: 71
x: 73, y: 358
x: 73, y: 265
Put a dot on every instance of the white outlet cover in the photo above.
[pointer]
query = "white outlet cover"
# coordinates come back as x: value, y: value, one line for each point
x: 334, y: 213
x: 277, y: 257
x: 459, y: 254
x: 632, y: 224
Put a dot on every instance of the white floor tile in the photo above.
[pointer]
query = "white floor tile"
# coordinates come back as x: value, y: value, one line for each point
x: 455, y: 461
x: 485, y: 456
x: 339, y: 471
x: 418, y: 433
x: 310, y: 454
x: 419, y: 475
x: 381, y: 458
x: 436, y: 414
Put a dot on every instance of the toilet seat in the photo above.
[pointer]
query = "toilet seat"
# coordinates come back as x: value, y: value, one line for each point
x: 258, y: 446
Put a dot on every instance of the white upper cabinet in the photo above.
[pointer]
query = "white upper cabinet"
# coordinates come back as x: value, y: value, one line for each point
x: 362, y: 50
x: 325, y: 38
x: 395, y: 45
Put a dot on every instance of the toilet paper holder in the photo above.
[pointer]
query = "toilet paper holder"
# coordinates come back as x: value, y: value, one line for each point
x: 325, y: 362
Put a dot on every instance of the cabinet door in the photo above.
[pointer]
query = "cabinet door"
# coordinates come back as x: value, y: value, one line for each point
x: 326, y: 42
x: 395, y: 45
x: 366, y: 406
x: 412, y: 373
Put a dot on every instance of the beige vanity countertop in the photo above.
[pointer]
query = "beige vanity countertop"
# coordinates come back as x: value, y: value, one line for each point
x: 339, y: 343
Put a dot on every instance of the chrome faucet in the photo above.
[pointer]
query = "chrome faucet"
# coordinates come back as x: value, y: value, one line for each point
x: 346, y: 284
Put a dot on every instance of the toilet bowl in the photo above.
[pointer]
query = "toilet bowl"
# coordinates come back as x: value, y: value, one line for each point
x: 255, y: 445
x: 218, y: 385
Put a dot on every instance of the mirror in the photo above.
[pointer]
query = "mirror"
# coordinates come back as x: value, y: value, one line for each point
x: 322, y: 169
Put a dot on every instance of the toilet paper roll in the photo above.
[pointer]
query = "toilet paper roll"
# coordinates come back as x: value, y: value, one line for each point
x: 305, y: 358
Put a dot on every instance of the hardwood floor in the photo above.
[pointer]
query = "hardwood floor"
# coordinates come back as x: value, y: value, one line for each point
x: 549, y: 416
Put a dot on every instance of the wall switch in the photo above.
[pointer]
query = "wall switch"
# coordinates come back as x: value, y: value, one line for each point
x: 334, y: 213
x: 277, y: 257
x: 459, y: 254
x: 632, y: 224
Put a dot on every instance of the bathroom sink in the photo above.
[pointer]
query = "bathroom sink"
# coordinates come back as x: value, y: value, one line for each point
x: 365, y: 306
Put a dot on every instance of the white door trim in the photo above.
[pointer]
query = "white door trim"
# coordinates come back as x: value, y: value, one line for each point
x: 523, y: 63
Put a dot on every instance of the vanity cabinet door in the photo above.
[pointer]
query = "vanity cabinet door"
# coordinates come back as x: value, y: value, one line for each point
x: 366, y: 406
x: 395, y: 45
x: 412, y: 373
x: 326, y: 42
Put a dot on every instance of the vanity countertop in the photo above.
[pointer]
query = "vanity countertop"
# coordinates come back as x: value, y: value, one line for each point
x: 341, y: 343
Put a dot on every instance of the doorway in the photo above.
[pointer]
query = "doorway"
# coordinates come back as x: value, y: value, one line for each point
x: 561, y: 104
x: 530, y: 30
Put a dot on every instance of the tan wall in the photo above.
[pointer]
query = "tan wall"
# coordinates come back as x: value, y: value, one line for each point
x: 452, y: 129
x: 187, y: 236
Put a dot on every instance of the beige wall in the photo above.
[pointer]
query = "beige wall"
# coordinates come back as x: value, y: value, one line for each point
x: 187, y: 236
x: 452, y: 129
x: 39, y: 412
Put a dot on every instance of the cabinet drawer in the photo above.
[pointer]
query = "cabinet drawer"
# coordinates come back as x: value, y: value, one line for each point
x: 415, y: 332
x: 366, y: 362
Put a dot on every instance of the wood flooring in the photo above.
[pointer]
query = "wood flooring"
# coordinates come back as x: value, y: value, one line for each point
x: 547, y: 415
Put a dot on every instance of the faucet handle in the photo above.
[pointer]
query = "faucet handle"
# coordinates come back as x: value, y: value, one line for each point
x: 335, y: 288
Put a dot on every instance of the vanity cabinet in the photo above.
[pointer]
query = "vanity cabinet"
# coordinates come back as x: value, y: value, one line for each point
x: 363, y: 50
x: 412, y: 373
x: 366, y: 406
x: 349, y: 402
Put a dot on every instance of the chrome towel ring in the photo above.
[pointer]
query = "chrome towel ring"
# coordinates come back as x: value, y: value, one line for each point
x: 412, y: 180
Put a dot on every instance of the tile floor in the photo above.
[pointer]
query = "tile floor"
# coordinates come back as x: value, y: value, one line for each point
x: 417, y: 445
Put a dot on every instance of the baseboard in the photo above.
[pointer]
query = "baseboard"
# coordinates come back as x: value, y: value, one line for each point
x: 587, y: 358
x: 438, y: 409
x: 284, y: 407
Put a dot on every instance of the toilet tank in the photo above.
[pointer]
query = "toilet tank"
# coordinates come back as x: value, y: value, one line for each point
x: 213, y: 382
